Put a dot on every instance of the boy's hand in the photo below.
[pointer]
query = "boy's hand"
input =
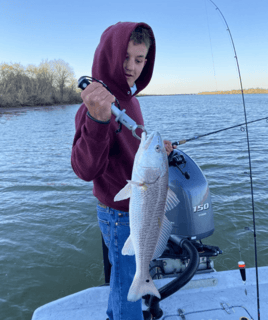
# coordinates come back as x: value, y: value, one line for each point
x: 168, y: 146
x: 98, y: 101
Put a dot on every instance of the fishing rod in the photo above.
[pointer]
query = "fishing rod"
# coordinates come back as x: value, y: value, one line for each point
x: 249, y: 158
x: 213, y: 132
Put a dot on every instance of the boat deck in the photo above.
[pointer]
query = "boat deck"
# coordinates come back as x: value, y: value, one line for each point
x: 209, y: 296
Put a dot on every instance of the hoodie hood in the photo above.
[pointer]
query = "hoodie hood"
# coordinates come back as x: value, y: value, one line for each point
x: 110, y: 56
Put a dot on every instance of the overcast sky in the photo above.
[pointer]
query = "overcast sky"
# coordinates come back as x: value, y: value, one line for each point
x: 193, y: 49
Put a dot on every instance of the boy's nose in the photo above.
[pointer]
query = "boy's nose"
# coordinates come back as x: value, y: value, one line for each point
x: 130, y: 65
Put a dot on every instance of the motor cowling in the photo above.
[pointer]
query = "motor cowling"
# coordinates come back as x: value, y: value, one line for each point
x: 192, y: 218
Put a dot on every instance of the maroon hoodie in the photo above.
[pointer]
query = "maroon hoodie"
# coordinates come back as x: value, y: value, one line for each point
x: 98, y: 153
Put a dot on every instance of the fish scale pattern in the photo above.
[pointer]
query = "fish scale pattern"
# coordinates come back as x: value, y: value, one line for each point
x: 147, y: 209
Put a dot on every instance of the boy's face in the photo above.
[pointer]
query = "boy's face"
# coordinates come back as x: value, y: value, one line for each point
x: 134, y: 62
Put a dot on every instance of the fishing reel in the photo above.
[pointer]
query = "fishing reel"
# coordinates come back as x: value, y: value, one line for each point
x: 176, y: 159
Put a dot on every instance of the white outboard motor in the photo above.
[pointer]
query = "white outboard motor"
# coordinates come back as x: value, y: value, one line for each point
x: 192, y: 218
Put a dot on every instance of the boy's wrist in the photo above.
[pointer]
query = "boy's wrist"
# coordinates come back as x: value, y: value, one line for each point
x: 96, y: 120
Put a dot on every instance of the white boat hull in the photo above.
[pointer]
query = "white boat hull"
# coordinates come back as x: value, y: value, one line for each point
x: 217, y: 295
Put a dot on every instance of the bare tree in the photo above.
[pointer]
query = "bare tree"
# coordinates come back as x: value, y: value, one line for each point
x: 50, y: 83
x: 63, y: 75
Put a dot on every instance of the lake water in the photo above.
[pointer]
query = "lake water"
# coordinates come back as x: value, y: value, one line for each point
x: 49, y: 235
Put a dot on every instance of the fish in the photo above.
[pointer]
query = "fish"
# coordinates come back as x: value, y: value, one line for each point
x: 150, y: 197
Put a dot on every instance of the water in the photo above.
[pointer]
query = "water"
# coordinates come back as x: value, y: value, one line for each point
x: 49, y: 236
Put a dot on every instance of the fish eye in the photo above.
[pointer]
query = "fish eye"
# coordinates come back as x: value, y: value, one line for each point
x: 157, y: 148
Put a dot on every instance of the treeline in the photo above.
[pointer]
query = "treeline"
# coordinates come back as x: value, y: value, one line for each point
x: 247, y: 91
x: 50, y: 83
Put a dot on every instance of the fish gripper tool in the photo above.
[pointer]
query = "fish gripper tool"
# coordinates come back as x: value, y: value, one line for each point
x: 120, y: 115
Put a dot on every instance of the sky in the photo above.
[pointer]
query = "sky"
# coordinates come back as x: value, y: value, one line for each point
x: 194, y: 51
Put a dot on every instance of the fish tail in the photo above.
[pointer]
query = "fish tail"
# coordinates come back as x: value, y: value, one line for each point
x: 140, y: 287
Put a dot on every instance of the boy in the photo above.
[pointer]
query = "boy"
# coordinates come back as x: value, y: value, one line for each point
x: 124, y: 61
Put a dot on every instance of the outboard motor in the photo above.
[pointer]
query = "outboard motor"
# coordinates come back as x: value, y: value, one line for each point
x: 192, y: 221
x: 193, y: 217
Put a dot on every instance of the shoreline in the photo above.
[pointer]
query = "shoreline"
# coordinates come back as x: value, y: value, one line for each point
x: 27, y: 108
x: 201, y: 93
x: 245, y: 91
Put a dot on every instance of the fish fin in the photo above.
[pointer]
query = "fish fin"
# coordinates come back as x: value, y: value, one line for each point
x: 165, y: 231
x: 172, y: 200
x: 143, y: 185
x: 128, y: 248
x: 124, y: 193
x: 141, y: 287
x: 135, y: 183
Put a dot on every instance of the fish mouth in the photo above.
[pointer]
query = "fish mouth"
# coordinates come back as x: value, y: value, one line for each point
x: 150, y: 138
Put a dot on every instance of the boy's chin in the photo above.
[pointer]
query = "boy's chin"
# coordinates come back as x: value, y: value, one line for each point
x: 130, y: 83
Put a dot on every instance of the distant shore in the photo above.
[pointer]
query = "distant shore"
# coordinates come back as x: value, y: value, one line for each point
x: 38, y: 107
x: 166, y: 95
x: 246, y: 91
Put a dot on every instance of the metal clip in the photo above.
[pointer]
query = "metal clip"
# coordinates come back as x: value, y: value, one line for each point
x: 227, y: 308
x: 122, y: 117
x: 181, y: 314
x: 140, y: 127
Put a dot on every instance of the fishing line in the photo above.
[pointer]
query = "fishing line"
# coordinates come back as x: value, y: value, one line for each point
x: 249, y: 158
x: 211, y: 49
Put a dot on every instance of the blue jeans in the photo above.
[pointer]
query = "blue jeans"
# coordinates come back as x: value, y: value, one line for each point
x: 114, y: 226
